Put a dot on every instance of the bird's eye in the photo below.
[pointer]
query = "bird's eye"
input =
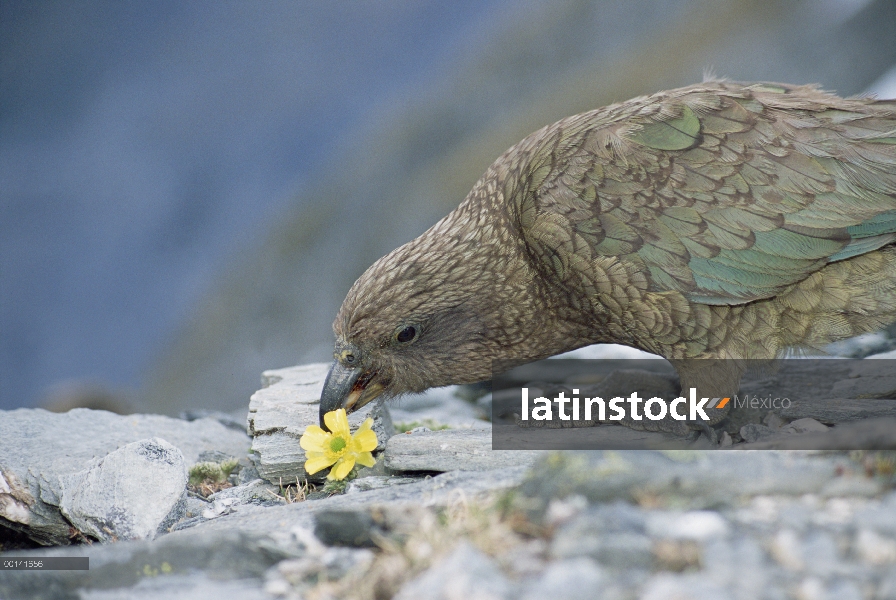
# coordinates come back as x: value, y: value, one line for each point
x: 406, y: 335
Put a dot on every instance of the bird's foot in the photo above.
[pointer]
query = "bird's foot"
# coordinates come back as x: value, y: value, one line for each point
x: 698, y: 427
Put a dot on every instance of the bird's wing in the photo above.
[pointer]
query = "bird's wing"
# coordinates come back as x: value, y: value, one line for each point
x: 723, y: 192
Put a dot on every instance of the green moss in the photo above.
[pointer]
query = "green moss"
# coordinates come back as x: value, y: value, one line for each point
x: 211, y: 472
x: 428, y: 423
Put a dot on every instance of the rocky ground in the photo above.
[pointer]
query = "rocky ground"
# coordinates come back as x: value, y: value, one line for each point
x: 180, y: 508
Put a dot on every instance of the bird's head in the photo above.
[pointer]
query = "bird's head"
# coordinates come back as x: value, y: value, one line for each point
x: 434, y: 312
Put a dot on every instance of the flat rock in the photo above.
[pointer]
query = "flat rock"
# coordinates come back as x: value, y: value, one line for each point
x: 253, y: 492
x: 167, y: 563
x: 450, y: 450
x: 839, y: 411
x: 868, y: 379
x: 439, y: 406
x: 870, y: 434
x: 440, y: 490
x: 280, y: 412
x: 38, y: 448
x: 131, y: 493
x: 376, y: 482
x: 829, y: 391
x: 510, y: 437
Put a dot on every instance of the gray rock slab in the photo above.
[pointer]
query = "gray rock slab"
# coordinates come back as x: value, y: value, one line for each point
x: 830, y: 391
x: 38, y: 447
x: 253, y: 492
x: 280, y: 412
x: 596, y: 437
x: 792, y: 378
x: 376, y: 482
x: 438, y: 406
x: 431, y: 491
x: 839, y: 411
x: 465, y: 573
x: 870, y: 434
x: 695, y: 479
x: 151, y: 565
x: 128, y: 494
x: 450, y: 450
x: 868, y: 379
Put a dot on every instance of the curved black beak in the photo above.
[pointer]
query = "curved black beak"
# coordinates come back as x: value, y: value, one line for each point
x: 338, y: 387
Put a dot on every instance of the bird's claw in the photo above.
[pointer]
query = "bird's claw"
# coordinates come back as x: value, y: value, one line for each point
x: 710, y: 433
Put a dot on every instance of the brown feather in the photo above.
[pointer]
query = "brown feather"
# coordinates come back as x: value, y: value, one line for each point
x: 705, y: 222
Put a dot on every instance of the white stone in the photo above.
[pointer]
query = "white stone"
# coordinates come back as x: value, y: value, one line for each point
x: 875, y: 548
x: 129, y: 493
x: 693, y: 525
x: 787, y: 549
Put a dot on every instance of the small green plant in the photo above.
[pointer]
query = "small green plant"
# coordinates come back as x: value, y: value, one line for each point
x: 206, y: 478
x: 335, y: 487
x: 212, y: 472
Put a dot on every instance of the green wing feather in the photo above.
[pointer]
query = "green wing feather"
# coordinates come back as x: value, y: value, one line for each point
x: 724, y: 192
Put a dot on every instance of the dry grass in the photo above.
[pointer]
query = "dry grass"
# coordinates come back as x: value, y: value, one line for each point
x: 877, y: 463
x: 290, y: 494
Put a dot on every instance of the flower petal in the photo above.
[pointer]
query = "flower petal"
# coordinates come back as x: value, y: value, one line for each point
x: 366, y: 459
x: 337, y: 421
x: 364, y: 441
x: 317, y: 463
x: 314, y: 438
x: 367, y: 424
x: 342, y: 468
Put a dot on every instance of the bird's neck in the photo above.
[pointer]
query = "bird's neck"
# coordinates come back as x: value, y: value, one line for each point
x: 526, y: 316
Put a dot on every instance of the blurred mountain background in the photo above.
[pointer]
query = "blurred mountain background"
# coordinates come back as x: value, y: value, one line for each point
x: 187, y: 190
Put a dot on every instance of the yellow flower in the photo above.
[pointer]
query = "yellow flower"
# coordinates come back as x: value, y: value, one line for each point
x: 339, y: 448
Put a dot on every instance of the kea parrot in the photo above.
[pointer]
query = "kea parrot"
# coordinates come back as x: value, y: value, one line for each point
x: 720, y: 221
